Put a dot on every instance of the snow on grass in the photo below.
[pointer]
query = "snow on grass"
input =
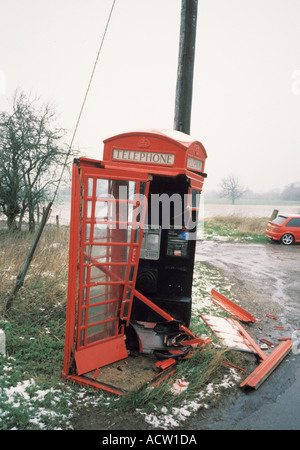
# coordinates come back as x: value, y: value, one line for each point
x: 27, y: 405
x: 206, y: 279
x: 165, y: 418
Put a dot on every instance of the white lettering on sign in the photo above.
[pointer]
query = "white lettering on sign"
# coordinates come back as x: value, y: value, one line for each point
x: 144, y: 157
x: 194, y: 164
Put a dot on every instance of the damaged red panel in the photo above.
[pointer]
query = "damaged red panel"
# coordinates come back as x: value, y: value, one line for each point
x: 234, y: 310
x: 258, y: 376
x: 100, y: 354
x: 232, y: 334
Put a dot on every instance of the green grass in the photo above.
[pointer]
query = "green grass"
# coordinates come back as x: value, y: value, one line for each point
x: 236, y: 228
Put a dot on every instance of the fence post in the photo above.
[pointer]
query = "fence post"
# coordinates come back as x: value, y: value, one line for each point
x: 274, y: 214
x: 23, y: 271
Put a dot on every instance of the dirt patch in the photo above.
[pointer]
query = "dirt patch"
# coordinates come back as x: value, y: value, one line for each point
x: 128, y: 374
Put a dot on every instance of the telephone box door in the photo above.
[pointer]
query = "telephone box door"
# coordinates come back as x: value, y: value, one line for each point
x: 109, y: 234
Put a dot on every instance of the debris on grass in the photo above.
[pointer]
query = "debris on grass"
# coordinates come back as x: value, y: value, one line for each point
x: 174, y: 416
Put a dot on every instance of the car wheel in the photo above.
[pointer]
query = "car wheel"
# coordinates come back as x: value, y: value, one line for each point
x: 287, y: 239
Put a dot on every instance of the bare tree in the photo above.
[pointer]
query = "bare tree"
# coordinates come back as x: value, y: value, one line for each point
x: 31, y: 154
x: 231, y: 188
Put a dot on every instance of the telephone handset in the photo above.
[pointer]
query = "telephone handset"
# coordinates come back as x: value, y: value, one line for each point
x: 151, y: 242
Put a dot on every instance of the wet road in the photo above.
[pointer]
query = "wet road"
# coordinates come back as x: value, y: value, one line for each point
x: 269, y: 275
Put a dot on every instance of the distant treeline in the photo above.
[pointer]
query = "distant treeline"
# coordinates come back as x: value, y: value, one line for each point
x: 291, y: 192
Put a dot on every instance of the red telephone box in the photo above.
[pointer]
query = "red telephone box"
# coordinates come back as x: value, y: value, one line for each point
x: 131, y: 258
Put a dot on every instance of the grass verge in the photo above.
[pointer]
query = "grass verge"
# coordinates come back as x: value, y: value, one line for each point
x: 236, y: 228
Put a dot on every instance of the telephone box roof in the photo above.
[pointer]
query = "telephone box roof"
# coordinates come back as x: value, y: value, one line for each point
x: 171, y: 135
x: 163, y: 152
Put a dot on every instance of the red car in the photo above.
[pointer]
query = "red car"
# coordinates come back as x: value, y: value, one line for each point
x: 285, y: 228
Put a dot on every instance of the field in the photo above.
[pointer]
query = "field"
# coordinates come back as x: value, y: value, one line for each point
x: 32, y: 393
x: 209, y: 207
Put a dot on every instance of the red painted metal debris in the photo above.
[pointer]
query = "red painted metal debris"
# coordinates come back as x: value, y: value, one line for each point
x: 267, y: 366
x: 232, y: 365
x: 165, y: 364
x: 253, y: 344
x: 163, y: 378
x: 232, y: 334
x: 280, y: 328
x: 96, y: 373
x: 162, y: 313
x: 265, y: 341
x: 234, y: 310
x: 272, y: 317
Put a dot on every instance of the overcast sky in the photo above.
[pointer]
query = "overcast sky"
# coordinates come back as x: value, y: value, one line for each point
x: 246, y: 97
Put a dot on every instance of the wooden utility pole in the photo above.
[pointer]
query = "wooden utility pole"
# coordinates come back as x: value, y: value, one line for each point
x: 185, y: 73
